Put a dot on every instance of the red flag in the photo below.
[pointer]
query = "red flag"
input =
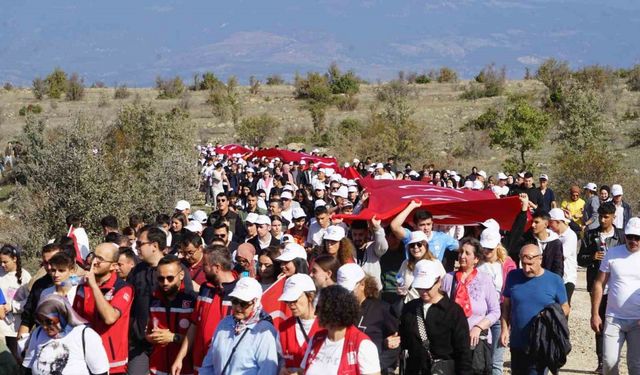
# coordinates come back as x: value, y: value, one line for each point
x: 448, y: 206
x: 278, y: 310
x: 232, y: 149
x: 350, y: 173
x: 287, y: 156
x: 80, y: 243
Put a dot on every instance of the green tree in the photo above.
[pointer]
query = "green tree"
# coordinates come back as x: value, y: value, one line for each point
x: 254, y: 130
x: 553, y: 74
x: 56, y: 83
x: 340, y: 83
x: 169, y: 88
x: 39, y: 88
x: 521, y: 129
x: 581, y: 117
x: 210, y: 81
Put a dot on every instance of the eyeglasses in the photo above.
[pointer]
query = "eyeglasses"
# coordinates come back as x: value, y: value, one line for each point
x: 241, y: 303
x: 188, y: 253
x: 139, y: 244
x: 415, y: 244
x: 241, y: 260
x: 487, y: 249
x: 170, y: 278
x: 99, y: 260
x: 529, y: 257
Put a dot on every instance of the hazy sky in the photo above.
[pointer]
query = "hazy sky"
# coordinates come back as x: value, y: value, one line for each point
x: 134, y: 41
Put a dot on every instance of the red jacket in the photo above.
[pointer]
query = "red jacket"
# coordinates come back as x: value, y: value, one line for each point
x: 349, y: 359
x: 293, y: 352
x: 173, y: 315
x: 213, y: 305
x: 115, y: 337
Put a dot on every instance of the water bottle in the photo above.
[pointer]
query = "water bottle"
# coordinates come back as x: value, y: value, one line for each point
x: 399, y: 280
x: 603, y: 244
x: 75, y: 280
x: 244, y: 274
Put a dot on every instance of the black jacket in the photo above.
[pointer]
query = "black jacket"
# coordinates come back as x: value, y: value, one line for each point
x: 590, y: 245
x: 549, y: 338
x: 377, y: 321
x: 28, y: 315
x: 144, y: 280
x: 447, y: 331
x: 552, y: 255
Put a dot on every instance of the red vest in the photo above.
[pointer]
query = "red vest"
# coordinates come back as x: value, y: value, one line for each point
x: 115, y: 337
x: 294, y: 353
x: 212, y: 306
x: 176, y: 316
x: 349, y: 359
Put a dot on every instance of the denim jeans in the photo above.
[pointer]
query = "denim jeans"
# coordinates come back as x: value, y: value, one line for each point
x: 616, y: 332
x: 497, y: 349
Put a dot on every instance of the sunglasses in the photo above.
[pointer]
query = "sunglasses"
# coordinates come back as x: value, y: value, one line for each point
x: 242, y: 260
x: 47, y: 322
x: 170, y: 278
x: 241, y: 303
x: 415, y: 244
x: 529, y: 257
x: 632, y: 237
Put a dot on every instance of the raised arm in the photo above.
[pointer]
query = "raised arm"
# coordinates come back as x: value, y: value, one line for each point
x: 396, y: 223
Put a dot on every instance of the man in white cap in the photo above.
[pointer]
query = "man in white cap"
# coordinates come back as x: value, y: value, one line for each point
x: 623, y: 210
x: 246, y: 340
x: 559, y: 224
x: 183, y: 207
x: 318, y: 228
x: 264, y: 239
x: 501, y: 189
x: 592, y: 202
x: 382, y: 173
x: 548, y: 196
x: 299, y: 231
x: 619, y: 272
x: 443, y: 319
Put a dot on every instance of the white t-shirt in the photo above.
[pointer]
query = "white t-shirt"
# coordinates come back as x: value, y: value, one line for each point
x: 328, y: 359
x: 316, y: 232
x: 570, y: 251
x: 624, y: 282
x: 306, y: 323
x: 71, y: 293
x: 66, y: 355
x: 495, y: 271
x: 16, y: 295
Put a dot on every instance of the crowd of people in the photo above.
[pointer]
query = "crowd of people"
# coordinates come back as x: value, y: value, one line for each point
x: 188, y: 292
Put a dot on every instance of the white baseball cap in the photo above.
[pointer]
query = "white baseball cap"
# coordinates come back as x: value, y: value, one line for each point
x: 557, y: 214
x: 247, y: 289
x: 483, y: 174
x: 349, y: 275
x: 616, y: 190
x: 286, y: 195
x: 183, y: 205
x: 334, y: 233
x: 632, y: 227
x: 417, y: 236
x: 263, y: 219
x: 286, y: 238
x: 379, y: 165
x: 490, y: 224
x: 502, y: 176
x: 288, y: 187
x: 477, y: 185
x: 352, y: 189
x: 468, y: 184
x: 352, y: 183
x: 298, y: 213
x: 318, y: 185
x: 295, y: 286
x: 194, y: 226
x: 544, y: 177
x: 249, y: 170
x: 591, y: 186
x: 489, y: 238
x: 335, y: 177
x: 251, y: 218
x: 200, y: 216
x: 292, y: 251
x: 319, y: 203
x: 343, y: 192
x: 426, y: 273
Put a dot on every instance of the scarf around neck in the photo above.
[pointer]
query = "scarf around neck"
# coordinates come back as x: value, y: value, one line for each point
x: 462, y: 292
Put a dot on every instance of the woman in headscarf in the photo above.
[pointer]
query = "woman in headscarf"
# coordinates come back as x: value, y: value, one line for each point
x: 63, y: 344
x: 246, y: 341
x: 245, y: 259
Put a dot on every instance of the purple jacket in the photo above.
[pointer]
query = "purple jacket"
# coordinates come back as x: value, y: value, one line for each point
x: 485, y: 300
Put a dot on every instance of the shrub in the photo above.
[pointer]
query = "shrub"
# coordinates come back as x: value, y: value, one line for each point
x: 170, y: 88
x: 225, y: 101
x: 30, y: 109
x: 314, y: 87
x: 346, y: 102
x: 633, y: 78
x: 98, y: 85
x: 103, y: 101
x: 121, y: 92
x: 7, y: 86
x: 447, y: 75
x: 486, y: 121
x: 346, y: 83
x: 554, y: 74
x: 185, y: 101
x: 56, y: 83
x: 255, y: 130
x: 254, y: 85
x: 143, y: 165
x: 209, y: 81
x: 490, y: 82
x: 39, y: 88
x: 274, y: 80
x: 392, y: 91
x: 422, y: 79
x: 75, y: 88
x: 581, y: 112
x: 595, y: 77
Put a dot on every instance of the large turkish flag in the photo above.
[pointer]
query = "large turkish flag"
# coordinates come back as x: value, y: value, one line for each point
x: 277, y: 309
x: 448, y: 206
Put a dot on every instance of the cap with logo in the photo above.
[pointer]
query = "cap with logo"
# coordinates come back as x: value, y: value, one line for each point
x: 426, y: 273
x: 490, y: 238
x: 616, y: 190
x: 292, y: 251
x: 295, y: 286
x: 247, y: 289
x: 183, y: 205
x: 633, y: 227
x: 349, y: 275
x: 591, y: 186
x: 334, y: 233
